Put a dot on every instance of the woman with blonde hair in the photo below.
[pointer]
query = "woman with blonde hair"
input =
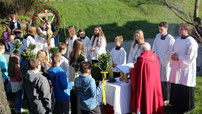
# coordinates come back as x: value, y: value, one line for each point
x: 98, y: 44
x: 135, y: 47
x: 70, y: 39
x: 45, y: 65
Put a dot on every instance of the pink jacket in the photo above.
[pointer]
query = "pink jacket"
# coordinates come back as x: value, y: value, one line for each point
x: 3, y: 37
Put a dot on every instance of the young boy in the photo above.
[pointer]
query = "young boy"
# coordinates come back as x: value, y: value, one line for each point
x: 118, y: 55
x: 4, y: 66
x: 86, y: 42
x: 85, y: 88
x: 37, y: 89
x: 60, y: 84
x: 62, y: 49
x: 163, y: 46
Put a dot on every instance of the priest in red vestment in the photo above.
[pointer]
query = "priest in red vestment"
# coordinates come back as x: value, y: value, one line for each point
x: 146, y: 95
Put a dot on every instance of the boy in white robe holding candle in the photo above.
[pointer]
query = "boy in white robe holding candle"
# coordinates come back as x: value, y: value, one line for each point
x: 162, y: 46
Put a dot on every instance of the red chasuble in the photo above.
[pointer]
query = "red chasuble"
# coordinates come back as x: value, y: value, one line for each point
x: 146, y: 85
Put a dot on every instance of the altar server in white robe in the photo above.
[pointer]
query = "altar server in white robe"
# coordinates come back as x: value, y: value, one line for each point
x: 183, y: 70
x: 135, y: 51
x: 98, y: 44
x: 118, y: 55
x: 30, y: 38
x: 86, y: 42
x: 163, y: 46
x: 70, y: 39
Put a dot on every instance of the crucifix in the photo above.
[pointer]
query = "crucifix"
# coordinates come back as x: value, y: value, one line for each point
x: 46, y: 14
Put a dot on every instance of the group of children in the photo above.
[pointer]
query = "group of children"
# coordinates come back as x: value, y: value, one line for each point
x: 50, y: 82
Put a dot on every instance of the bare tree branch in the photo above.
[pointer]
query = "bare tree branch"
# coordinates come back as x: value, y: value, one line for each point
x: 178, y: 15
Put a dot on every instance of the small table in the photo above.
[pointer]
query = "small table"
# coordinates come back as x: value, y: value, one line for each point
x: 118, y: 95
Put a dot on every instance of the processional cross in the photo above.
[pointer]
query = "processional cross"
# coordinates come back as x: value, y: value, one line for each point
x: 46, y: 14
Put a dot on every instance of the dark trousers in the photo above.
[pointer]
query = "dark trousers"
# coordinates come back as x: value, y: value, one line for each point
x: 74, y: 100
x: 166, y: 86
x: 96, y: 110
x: 63, y: 107
x: 116, y: 74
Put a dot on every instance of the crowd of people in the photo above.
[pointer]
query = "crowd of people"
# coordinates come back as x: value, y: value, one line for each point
x: 163, y: 74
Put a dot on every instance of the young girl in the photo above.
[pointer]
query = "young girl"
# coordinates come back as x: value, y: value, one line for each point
x: 86, y: 42
x: 42, y: 57
x: 16, y: 80
x: 45, y: 65
x: 71, y: 38
x: 6, y: 37
x: 78, y: 48
x: 98, y: 44
x: 135, y: 47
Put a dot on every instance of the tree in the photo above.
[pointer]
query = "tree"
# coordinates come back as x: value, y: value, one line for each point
x: 4, y: 107
x: 196, y: 8
x: 188, y: 18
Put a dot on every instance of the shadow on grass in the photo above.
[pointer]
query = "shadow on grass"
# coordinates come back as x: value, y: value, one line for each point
x: 112, y: 30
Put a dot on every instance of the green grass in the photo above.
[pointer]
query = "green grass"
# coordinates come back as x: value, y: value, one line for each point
x: 120, y: 17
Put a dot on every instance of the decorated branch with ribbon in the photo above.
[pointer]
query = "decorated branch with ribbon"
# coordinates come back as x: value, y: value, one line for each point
x: 103, y: 64
x: 76, y: 64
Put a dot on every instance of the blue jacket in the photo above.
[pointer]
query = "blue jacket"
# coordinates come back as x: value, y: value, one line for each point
x: 60, y: 84
x: 4, y: 67
x: 85, y: 88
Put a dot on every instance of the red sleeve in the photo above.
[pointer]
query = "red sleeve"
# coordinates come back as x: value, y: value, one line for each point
x: 2, y: 36
x: 8, y: 36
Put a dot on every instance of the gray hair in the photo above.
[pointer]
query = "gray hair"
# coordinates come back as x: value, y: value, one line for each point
x: 145, y: 46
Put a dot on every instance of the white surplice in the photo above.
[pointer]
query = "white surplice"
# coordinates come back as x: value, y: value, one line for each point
x: 118, y: 57
x: 184, y: 71
x: 87, y: 43
x: 99, y: 50
x: 70, y: 45
x: 134, y: 53
x: 163, y: 49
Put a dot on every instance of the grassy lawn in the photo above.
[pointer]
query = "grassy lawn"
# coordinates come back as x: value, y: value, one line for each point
x: 120, y: 17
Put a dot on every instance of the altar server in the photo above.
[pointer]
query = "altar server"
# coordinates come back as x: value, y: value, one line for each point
x: 70, y: 40
x: 118, y: 55
x: 135, y: 52
x: 162, y: 46
x: 86, y: 42
x: 183, y: 70
x: 98, y: 44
